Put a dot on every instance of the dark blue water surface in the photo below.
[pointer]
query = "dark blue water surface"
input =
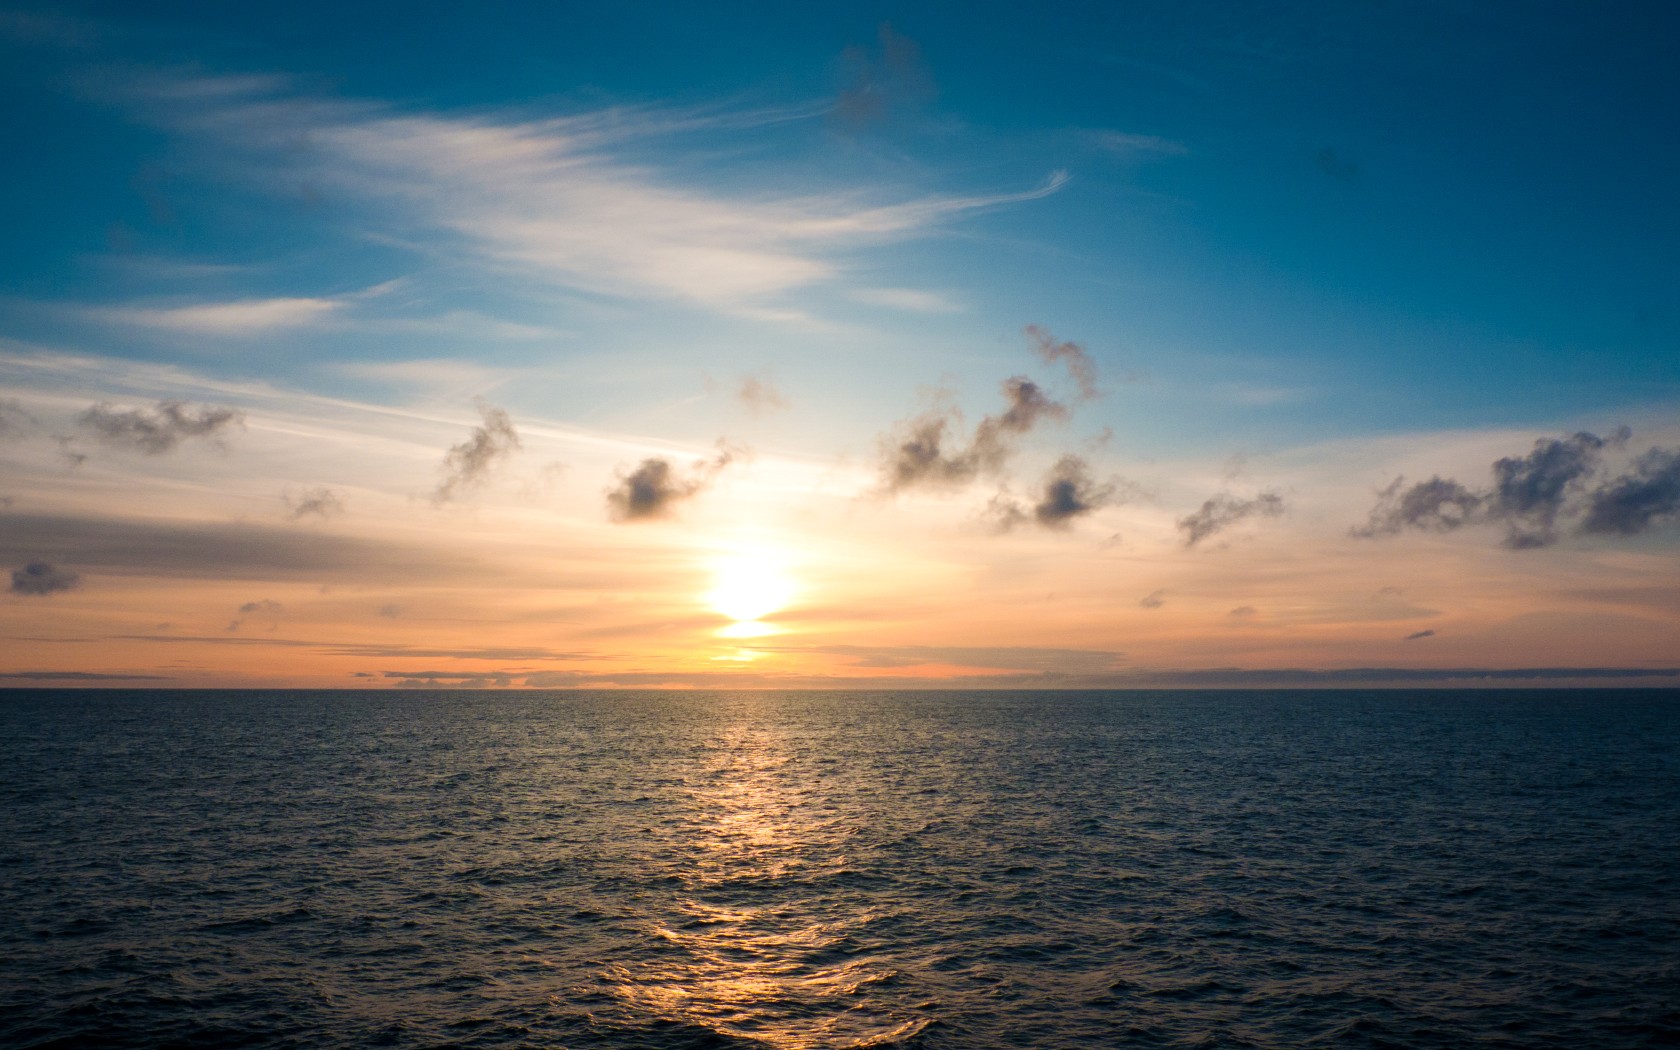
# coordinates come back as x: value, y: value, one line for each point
x: 1377, y: 869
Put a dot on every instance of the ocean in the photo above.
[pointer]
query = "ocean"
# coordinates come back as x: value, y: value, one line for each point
x: 787, y: 870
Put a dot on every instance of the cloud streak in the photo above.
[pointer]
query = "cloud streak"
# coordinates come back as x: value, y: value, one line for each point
x: 919, y: 455
x: 1225, y: 510
x: 156, y: 431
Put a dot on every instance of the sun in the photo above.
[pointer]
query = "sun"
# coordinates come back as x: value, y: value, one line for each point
x: 746, y: 587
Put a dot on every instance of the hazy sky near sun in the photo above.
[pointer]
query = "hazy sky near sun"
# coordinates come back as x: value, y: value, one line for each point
x: 736, y: 345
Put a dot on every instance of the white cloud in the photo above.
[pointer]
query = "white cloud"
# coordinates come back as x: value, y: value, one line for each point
x: 910, y: 299
x: 245, y: 317
x: 560, y: 200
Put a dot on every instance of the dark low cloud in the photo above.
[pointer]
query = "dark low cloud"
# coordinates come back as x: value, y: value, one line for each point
x: 1224, y: 510
x: 1078, y: 362
x: 1532, y: 496
x: 466, y: 466
x: 1154, y: 599
x: 1415, y: 635
x: 922, y: 455
x: 319, y: 502
x: 1069, y: 492
x: 1438, y: 504
x: 1632, y: 503
x: 39, y: 578
x: 655, y: 488
x: 158, y: 430
x: 1529, y: 492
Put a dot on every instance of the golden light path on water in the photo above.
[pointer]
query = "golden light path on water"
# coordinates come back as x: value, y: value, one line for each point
x: 765, y: 941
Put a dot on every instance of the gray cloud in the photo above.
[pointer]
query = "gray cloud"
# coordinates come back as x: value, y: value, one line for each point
x: 1437, y: 504
x: 467, y: 465
x: 266, y: 605
x: 1531, y: 494
x: 319, y: 502
x: 1415, y: 635
x: 242, y: 551
x: 38, y: 578
x: 1069, y: 492
x: 1224, y: 510
x: 1632, y: 503
x: 158, y: 430
x: 654, y: 488
x: 1243, y: 612
x: 1079, y: 363
x: 760, y: 395
x: 1337, y: 166
x: 1154, y: 599
x: 920, y: 455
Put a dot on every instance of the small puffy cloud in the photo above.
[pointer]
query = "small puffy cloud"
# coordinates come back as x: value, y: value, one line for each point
x: 266, y: 609
x: 1438, y: 504
x: 921, y: 453
x: 1243, y: 613
x: 390, y: 611
x: 653, y: 489
x: 1224, y: 510
x: 319, y: 502
x: 1415, y: 635
x: 158, y: 430
x: 1154, y: 599
x: 1078, y: 362
x: 39, y: 578
x: 760, y: 395
x: 1069, y: 492
x: 1129, y: 145
x: 467, y: 465
x: 1529, y: 492
x: 1630, y: 504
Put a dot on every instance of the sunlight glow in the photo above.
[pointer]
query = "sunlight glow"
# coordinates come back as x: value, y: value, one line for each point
x: 747, y: 586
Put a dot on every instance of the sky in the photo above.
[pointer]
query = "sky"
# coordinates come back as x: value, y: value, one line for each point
x: 930, y: 345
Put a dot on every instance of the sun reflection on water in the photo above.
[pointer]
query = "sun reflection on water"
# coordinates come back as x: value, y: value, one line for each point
x: 762, y: 941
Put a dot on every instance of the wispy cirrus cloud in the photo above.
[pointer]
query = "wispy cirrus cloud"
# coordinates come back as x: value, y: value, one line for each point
x: 571, y: 201
x: 245, y: 317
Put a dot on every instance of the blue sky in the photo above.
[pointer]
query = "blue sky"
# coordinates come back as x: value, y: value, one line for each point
x: 1308, y: 248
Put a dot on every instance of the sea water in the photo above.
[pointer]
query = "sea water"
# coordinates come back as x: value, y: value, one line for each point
x: 975, y: 870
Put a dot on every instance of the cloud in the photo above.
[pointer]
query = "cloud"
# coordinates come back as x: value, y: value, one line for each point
x: 1079, y: 363
x: 911, y: 299
x: 1003, y: 657
x: 654, y: 488
x: 1415, y: 635
x: 14, y: 420
x: 243, y: 318
x: 569, y: 200
x: 1125, y: 144
x: 760, y: 395
x: 267, y: 609
x: 1224, y: 510
x: 1437, y: 504
x: 77, y: 676
x: 467, y: 465
x: 38, y: 578
x: 1529, y: 492
x: 920, y: 455
x: 159, y: 430
x: 1069, y: 492
x: 1530, y: 495
x: 319, y: 502
x: 1337, y: 167
x: 1154, y: 599
x: 1630, y: 504
x: 886, y: 82
x: 1243, y: 612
